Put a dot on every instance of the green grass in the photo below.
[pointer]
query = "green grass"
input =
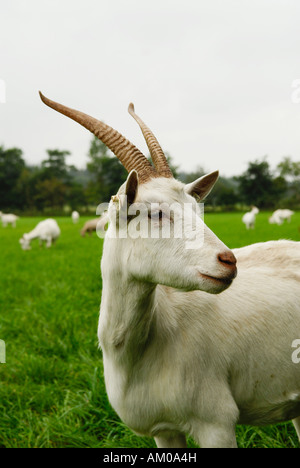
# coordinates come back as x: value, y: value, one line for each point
x: 52, y: 392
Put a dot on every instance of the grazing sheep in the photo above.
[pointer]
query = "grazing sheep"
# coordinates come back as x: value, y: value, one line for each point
x: 249, y: 218
x: 97, y: 224
x: 46, y: 231
x: 89, y: 227
x: 75, y: 217
x: 187, y: 348
x: 8, y: 219
x: 279, y: 216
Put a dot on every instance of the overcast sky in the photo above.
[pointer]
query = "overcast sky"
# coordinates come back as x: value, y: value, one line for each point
x: 212, y: 78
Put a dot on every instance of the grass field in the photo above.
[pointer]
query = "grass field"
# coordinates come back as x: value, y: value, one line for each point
x: 52, y: 392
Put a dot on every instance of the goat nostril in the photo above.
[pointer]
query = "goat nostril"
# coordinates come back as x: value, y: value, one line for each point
x: 228, y: 258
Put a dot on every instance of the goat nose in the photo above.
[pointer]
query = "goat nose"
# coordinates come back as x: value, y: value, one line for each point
x: 228, y: 259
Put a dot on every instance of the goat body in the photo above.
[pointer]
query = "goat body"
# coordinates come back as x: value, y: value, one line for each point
x: 46, y: 231
x: 8, y: 219
x: 75, y: 216
x: 193, y: 363
x: 249, y: 218
x: 279, y: 216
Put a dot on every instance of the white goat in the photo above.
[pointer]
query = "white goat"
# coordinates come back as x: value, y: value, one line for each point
x: 46, y: 231
x: 279, y: 216
x: 249, y: 218
x: 178, y: 360
x: 8, y: 219
x: 75, y: 216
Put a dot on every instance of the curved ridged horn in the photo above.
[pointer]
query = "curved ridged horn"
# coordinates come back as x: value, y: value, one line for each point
x: 158, y: 157
x: 126, y: 152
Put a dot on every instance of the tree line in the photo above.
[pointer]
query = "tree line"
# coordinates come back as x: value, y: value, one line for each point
x: 56, y: 187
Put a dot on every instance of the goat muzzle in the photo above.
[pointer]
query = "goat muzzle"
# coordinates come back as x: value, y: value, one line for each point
x: 228, y: 260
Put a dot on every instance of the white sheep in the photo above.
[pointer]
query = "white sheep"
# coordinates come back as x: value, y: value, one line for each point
x: 8, y: 219
x: 249, y: 218
x: 75, y: 217
x: 279, y: 216
x: 46, y: 231
x: 188, y: 349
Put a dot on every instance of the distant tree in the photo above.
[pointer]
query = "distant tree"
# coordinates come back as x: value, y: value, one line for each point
x: 289, y: 170
x: 11, y: 167
x: 55, y: 185
x: 76, y: 196
x: 280, y: 190
x: 223, y: 194
x: 25, y: 187
x: 258, y: 187
x: 55, y: 166
x: 50, y: 193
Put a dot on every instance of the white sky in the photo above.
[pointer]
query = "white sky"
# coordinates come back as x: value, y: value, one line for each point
x: 212, y: 78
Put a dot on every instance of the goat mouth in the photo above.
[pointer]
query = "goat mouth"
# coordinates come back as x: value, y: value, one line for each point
x: 224, y: 281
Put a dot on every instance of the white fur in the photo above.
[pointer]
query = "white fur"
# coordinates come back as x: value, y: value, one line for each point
x: 249, y: 218
x: 8, y: 219
x: 46, y: 231
x: 194, y: 363
x: 75, y: 216
x: 279, y: 216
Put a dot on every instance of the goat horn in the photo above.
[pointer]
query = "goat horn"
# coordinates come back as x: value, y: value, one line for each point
x: 158, y: 157
x: 126, y: 152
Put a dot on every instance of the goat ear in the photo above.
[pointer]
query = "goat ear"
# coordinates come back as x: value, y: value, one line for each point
x: 131, y: 186
x: 202, y: 186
